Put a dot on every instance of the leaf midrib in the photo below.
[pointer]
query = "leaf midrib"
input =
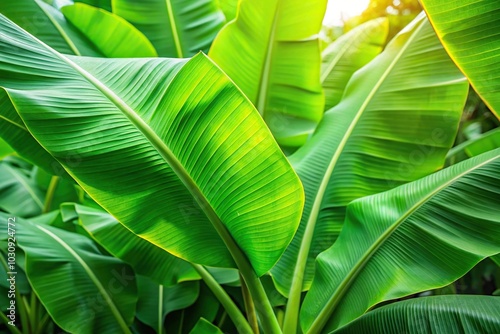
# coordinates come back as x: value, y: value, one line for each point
x: 61, y: 31
x: 318, y: 199
x: 232, y: 246
x: 339, y: 55
x: 266, y: 69
x: 114, y: 310
x: 351, y: 276
x: 173, y: 27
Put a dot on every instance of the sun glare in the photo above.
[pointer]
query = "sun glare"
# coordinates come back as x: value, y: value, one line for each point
x: 341, y: 10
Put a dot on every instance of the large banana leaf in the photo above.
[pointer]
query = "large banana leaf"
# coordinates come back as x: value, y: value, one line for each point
x: 82, y: 290
x: 395, y: 124
x: 179, y: 156
x: 468, y: 30
x: 348, y: 54
x: 440, y: 314
x: 146, y: 258
x: 113, y: 35
x: 417, y: 237
x: 177, y: 28
x: 49, y: 25
x: 272, y: 53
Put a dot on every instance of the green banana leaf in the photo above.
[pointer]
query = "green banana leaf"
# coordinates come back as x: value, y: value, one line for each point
x: 19, y: 193
x: 272, y: 52
x: 442, y: 314
x: 156, y: 301
x: 82, y: 290
x: 177, y: 28
x: 104, y: 4
x: 48, y: 24
x: 468, y: 30
x: 229, y: 8
x: 5, y: 149
x: 225, y: 276
x: 113, y: 35
x: 484, y: 142
x: 496, y: 259
x: 488, y: 141
x: 203, y: 326
x: 172, y: 149
x: 206, y: 306
x: 417, y: 237
x: 16, y: 135
x: 146, y: 258
x: 395, y: 124
x: 349, y: 53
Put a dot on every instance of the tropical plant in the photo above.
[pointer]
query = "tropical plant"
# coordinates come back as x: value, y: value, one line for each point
x: 151, y: 195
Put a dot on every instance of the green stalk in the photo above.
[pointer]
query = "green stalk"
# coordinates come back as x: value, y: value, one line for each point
x: 232, y: 310
x: 249, y: 306
x: 34, y: 311
x: 42, y: 323
x: 25, y: 305
x: 23, y: 315
x: 222, y: 319
x: 49, y: 197
x: 181, y: 322
x: 160, y: 310
x: 280, y: 314
x: 13, y: 329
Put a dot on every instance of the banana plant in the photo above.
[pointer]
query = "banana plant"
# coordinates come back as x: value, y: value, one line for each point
x: 419, y: 233
x: 475, y: 51
x: 181, y: 174
x: 272, y: 52
x: 215, y: 221
x: 363, y: 145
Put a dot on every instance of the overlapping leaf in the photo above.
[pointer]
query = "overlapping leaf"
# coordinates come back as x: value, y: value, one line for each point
x: 177, y: 28
x: 469, y: 30
x: 348, y: 54
x: 19, y: 193
x: 395, y: 124
x: 146, y: 258
x: 156, y: 301
x: 82, y: 290
x: 113, y: 35
x: 49, y: 25
x: 272, y: 53
x: 173, y: 159
x: 441, y: 314
x: 417, y: 237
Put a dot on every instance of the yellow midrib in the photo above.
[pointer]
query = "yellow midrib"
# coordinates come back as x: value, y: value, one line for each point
x: 173, y: 26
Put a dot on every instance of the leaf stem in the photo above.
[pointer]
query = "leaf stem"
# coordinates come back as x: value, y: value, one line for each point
x: 49, y: 197
x: 13, y: 329
x: 232, y: 310
x: 249, y: 306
